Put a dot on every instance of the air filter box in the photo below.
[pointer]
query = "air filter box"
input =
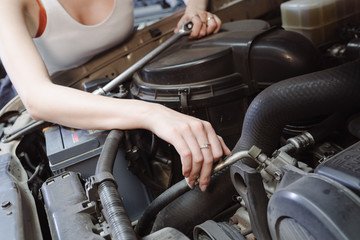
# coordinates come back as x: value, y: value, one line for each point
x: 212, y: 78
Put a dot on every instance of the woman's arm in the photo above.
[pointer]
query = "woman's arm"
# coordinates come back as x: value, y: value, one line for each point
x: 205, y: 23
x: 70, y: 107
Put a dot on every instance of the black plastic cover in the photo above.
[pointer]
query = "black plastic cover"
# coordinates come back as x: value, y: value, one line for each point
x: 248, y: 49
x: 344, y: 167
x: 312, y: 206
x: 66, y: 206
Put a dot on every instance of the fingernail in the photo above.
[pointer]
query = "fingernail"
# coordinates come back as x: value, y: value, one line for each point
x: 191, y: 184
x: 203, y: 187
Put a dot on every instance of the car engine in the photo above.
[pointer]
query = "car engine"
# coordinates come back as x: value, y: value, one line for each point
x: 283, y: 94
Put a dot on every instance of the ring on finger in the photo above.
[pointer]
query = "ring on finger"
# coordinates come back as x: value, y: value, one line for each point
x: 210, y: 18
x: 205, y: 146
x: 196, y: 15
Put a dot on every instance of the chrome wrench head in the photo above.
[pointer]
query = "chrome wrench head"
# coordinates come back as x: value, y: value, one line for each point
x: 186, y: 28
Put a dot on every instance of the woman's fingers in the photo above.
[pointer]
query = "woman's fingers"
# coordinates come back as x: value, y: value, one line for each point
x: 213, y: 24
x: 212, y: 151
x: 196, y: 155
x: 226, y: 150
x: 199, y: 25
x: 192, y: 158
x: 195, y: 140
x: 204, y: 148
x: 204, y: 23
x: 206, y: 168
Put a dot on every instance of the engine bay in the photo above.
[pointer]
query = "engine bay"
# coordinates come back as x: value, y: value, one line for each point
x: 282, y: 92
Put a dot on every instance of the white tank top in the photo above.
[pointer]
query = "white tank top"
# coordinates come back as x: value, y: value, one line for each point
x: 66, y: 43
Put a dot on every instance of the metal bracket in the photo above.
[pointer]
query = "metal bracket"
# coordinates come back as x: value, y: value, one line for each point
x: 184, y: 95
x: 91, y: 185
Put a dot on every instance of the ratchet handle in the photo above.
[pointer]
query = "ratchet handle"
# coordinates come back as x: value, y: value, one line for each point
x: 184, y: 30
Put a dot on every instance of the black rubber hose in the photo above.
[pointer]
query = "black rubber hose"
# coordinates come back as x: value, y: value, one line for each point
x: 115, y: 213
x: 195, y: 207
x: 109, y: 151
x: 303, y: 97
x: 114, y: 210
x: 145, y: 222
x: 322, y: 130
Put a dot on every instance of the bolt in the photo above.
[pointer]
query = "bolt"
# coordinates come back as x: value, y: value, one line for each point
x: 5, y: 204
x: 278, y: 175
x: 237, y: 198
x: 189, y: 25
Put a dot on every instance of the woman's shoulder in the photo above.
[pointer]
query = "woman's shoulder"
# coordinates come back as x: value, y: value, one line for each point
x: 29, y: 9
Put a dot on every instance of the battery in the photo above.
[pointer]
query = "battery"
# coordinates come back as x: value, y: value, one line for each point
x: 78, y: 150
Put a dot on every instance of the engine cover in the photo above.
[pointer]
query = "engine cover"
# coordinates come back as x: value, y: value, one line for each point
x: 312, y: 206
x: 344, y: 167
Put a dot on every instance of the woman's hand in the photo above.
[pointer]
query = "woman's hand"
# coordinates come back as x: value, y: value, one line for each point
x: 205, y: 23
x: 195, y: 140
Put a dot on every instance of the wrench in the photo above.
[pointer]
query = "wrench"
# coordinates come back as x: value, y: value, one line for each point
x: 184, y: 30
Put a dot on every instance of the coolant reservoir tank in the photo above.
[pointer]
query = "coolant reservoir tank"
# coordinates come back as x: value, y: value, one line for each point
x: 319, y: 20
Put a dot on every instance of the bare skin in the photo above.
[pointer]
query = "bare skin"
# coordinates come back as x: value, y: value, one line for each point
x: 70, y: 107
x: 205, y: 23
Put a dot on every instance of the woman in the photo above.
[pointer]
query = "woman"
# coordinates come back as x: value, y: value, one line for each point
x: 40, y: 38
